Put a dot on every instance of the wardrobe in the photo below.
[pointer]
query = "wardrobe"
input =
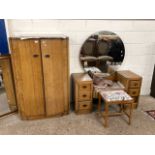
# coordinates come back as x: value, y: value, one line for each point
x: 41, y: 75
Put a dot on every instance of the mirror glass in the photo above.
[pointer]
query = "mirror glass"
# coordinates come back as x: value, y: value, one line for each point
x: 101, y: 52
x: 7, y: 96
x: 4, y: 106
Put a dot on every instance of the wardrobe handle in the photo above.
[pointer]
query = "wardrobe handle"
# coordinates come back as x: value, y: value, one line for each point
x: 35, y: 55
x: 47, y: 55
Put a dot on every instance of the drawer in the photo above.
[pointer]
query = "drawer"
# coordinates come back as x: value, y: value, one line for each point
x: 134, y: 84
x: 133, y: 92
x: 85, y: 105
x: 84, y: 95
x: 84, y: 87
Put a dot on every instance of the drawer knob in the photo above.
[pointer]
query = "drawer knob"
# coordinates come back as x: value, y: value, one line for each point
x: 84, y: 95
x: 84, y: 105
x: 84, y: 87
x: 134, y: 92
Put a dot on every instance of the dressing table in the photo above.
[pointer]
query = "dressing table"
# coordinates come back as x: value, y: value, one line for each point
x: 102, y: 53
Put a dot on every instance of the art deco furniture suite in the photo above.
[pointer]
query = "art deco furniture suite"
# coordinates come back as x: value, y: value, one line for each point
x: 41, y: 82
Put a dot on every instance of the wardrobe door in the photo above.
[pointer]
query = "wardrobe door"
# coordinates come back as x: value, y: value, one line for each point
x: 56, y: 79
x: 26, y: 61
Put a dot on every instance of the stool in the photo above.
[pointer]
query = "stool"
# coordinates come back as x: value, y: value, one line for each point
x: 119, y: 97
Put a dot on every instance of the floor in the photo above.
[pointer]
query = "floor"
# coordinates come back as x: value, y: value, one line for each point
x: 88, y: 124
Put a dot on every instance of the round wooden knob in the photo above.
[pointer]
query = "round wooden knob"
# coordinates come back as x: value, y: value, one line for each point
x: 84, y: 95
x: 134, y: 92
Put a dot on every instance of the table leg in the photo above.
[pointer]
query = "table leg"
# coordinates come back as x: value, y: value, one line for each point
x: 121, y: 108
x: 106, y: 114
x: 130, y: 113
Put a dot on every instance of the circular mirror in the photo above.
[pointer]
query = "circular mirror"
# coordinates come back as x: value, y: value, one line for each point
x: 101, y: 52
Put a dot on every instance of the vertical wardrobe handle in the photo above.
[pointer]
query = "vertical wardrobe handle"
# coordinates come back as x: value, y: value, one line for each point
x: 35, y: 55
x: 46, y: 55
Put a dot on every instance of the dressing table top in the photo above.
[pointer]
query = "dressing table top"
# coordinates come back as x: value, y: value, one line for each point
x: 128, y: 74
x: 82, y: 77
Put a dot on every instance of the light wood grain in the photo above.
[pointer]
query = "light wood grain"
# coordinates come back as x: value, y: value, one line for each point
x: 84, y: 95
x: 106, y: 113
x: 84, y: 87
x: 26, y: 62
x: 133, y: 92
x: 56, y: 76
x: 129, y: 74
x: 132, y: 83
x: 135, y: 84
x: 83, y: 91
x: 87, y: 105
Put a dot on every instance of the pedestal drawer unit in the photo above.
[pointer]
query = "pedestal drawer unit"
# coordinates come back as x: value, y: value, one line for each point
x: 41, y: 74
x: 83, y: 89
x: 132, y: 83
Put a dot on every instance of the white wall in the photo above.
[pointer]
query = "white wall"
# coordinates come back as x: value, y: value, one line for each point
x: 137, y: 35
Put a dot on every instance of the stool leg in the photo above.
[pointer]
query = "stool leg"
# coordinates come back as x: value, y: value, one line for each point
x: 106, y: 114
x: 99, y: 102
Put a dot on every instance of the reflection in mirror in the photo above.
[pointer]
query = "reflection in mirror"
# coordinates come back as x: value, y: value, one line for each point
x: 4, y: 106
x: 101, y: 51
x: 7, y: 93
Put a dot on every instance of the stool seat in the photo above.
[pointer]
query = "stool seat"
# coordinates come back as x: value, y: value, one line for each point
x: 115, y: 95
x: 119, y: 97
